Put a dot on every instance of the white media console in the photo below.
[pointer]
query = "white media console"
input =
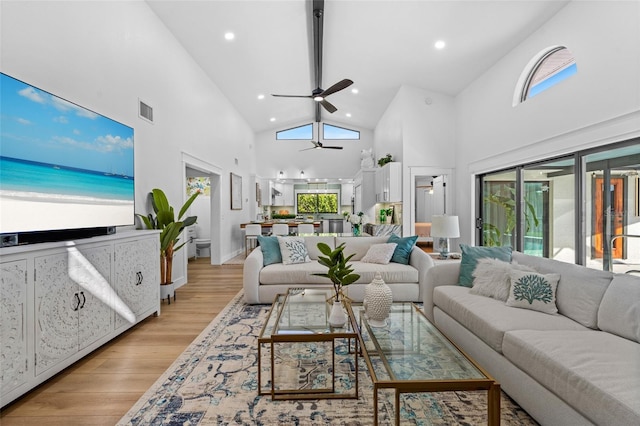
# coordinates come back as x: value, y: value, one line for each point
x: 60, y: 301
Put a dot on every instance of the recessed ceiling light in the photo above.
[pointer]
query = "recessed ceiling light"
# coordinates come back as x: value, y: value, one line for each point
x: 348, y: 114
x: 272, y: 119
x: 229, y: 35
x: 260, y: 96
x: 440, y: 44
x: 354, y: 91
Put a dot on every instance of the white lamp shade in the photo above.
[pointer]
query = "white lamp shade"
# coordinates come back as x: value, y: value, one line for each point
x: 444, y: 226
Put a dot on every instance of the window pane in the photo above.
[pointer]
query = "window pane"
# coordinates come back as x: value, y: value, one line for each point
x: 334, y: 132
x: 328, y: 203
x: 550, y: 210
x: 556, y: 65
x: 499, y: 209
x: 306, y: 203
x: 297, y: 133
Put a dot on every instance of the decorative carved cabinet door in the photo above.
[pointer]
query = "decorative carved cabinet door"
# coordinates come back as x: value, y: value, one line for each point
x: 137, y: 267
x: 13, y: 342
x: 68, y: 314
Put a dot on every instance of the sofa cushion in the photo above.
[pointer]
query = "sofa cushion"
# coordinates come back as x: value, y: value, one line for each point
x: 293, y: 250
x: 580, y: 289
x: 403, y: 249
x: 489, y: 319
x: 470, y: 256
x: 530, y: 290
x: 595, y: 372
x: 379, y: 253
x: 279, y: 273
x: 619, y: 311
x: 491, y: 278
x: 270, y: 250
x: 358, y: 246
x: 391, y: 272
x: 311, y: 241
x: 302, y: 273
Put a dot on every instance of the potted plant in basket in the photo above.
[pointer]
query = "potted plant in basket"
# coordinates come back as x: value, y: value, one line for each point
x: 341, y: 274
x: 170, y: 231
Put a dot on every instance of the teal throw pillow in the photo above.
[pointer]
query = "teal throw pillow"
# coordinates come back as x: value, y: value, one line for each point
x: 470, y: 256
x: 403, y: 249
x: 270, y: 250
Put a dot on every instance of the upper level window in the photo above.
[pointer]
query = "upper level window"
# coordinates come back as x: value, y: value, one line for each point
x: 297, y: 133
x: 335, y: 132
x: 546, y: 69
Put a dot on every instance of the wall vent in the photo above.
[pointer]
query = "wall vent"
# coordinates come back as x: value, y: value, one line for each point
x: 145, y: 111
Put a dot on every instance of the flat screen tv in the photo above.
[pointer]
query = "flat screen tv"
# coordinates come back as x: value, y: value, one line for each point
x: 65, y: 171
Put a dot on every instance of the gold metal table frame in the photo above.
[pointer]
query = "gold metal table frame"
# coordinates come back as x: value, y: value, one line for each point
x: 412, y: 335
x: 284, y: 325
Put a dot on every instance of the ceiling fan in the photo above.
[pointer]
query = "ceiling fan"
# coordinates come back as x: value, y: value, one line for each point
x: 319, y: 145
x: 318, y: 94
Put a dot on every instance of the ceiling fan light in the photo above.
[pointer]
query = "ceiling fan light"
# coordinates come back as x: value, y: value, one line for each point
x: 318, y: 98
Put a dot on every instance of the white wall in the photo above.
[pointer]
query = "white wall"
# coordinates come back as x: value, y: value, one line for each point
x: 106, y: 55
x: 598, y: 105
x: 418, y: 129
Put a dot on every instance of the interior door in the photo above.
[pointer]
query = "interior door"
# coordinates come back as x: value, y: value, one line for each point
x: 599, y: 217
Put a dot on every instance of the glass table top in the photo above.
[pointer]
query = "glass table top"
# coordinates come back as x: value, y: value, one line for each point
x: 300, y: 312
x: 409, y: 347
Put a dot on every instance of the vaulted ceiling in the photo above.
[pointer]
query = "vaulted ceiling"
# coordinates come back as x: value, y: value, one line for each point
x: 380, y: 45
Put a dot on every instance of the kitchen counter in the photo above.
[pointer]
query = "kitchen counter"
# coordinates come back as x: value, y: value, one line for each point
x: 291, y: 222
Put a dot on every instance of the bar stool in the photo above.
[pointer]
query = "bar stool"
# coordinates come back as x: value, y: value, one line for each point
x: 251, y: 233
x: 280, y: 229
x: 306, y: 228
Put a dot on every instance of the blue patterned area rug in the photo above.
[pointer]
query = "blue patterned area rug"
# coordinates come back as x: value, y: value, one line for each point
x: 215, y: 382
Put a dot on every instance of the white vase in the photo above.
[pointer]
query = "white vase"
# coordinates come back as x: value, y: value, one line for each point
x: 377, y: 301
x: 337, y: 317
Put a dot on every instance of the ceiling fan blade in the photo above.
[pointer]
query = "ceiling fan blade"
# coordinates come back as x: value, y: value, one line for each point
x: 328, y: 106
x: 307, y: 149
x: 337, y: 87
x: 292, y: 96
x: 332, y: 147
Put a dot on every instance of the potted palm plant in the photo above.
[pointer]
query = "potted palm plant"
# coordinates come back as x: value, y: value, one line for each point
x: 171, y: 228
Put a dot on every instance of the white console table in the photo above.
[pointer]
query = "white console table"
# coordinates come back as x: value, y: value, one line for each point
x: 60, y: 301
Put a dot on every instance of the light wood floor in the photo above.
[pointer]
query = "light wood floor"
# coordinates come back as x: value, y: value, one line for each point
x: 100, y: 388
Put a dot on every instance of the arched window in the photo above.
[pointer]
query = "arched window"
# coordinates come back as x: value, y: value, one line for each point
x: 546, y: 69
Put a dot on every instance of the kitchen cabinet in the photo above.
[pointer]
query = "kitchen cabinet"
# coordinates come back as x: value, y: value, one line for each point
x: 286, y: 194
x: 62, y: 300
x: 346, y: 194
x: 388, y: 183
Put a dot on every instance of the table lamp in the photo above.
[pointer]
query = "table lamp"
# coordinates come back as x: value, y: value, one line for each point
x: 444, y: 227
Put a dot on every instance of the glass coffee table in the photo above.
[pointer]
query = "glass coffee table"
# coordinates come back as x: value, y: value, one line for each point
x: 410, y: 355
x: 298, y: 327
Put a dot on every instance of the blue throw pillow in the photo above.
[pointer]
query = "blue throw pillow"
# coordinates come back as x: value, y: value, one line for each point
x: 470, y: 256
x: 270, y: 250
x: 403, y: 249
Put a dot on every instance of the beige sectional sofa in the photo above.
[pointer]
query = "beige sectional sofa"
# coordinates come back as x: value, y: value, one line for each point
x: 262, y: 283
x: 579, y: 366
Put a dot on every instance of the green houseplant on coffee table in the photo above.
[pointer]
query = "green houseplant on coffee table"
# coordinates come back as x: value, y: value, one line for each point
x: 341, y: 274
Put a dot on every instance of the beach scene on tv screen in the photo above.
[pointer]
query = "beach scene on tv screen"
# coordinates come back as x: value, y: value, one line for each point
x: 62, y: 166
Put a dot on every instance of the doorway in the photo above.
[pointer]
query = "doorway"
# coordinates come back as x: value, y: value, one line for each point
x: 616, y: 218
x: 193, y: 165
